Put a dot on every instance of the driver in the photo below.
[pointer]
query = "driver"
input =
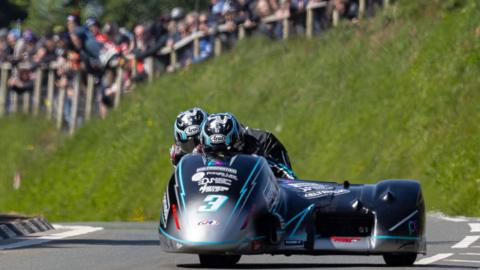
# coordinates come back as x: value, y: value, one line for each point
x: 222, y: 133
x: 186, y: 131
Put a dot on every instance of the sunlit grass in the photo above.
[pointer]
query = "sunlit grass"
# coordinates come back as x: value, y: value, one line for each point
x: 394, y: 98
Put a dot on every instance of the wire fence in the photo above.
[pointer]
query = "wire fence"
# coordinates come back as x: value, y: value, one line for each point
x: 71, y: 108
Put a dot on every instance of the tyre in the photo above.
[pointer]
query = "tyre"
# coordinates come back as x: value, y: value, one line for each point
x: 400, y: 259
x: 219, y: 260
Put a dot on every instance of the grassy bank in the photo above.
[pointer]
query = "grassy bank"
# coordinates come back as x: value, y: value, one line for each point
x: 393, y: 98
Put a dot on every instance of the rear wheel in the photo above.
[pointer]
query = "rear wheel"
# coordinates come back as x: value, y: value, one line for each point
x: 400, y: 259
x: 219, y: 260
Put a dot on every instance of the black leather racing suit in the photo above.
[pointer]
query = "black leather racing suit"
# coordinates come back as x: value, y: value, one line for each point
x: 254, y: 141
x: 264, y: 143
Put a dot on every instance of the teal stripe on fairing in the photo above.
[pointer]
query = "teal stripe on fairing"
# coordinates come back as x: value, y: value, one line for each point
x: 182, y: 189
x: 186, y: 242
x: 298, y: 215
x: 301, y: 219
x: 396, y: 237
x: 242, y: 191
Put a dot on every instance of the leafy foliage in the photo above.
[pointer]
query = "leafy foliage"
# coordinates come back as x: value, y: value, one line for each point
x: 12, y: 11
x: 42, y: 15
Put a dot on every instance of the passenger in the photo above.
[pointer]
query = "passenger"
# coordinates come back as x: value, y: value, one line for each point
x: 186, y: 133
x: 222, y: 133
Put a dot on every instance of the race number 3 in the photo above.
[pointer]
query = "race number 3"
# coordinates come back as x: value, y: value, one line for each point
x: 212, y: 203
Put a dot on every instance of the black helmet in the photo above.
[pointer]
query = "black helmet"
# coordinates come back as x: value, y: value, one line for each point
x: 220, y: 132
x: 187, y: 128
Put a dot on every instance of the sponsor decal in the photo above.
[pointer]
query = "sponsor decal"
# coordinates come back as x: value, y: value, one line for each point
x: 215, y: 178
x: 207, y: 222
x: 223, y: 175
x: 323, y: 193
x: 217, y: 138
x: 217, y: 168
x: 315, y: 190
x: 306, y: 187
x: 340, y: 239
x: 206, y: 188
x: 198, y: 176
x: 293, y: 242
x: 192, y: 130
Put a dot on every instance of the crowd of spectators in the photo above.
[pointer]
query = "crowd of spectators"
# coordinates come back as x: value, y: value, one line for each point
x: 99, y: 48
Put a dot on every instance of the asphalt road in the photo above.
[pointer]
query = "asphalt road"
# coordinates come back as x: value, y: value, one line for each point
x: 452, y: 244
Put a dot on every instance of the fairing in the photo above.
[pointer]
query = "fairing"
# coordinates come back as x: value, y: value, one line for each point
x: 235, y: 205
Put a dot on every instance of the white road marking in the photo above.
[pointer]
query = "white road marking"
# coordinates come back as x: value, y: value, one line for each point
x: 7, y: 230
x: 433, y: 259
x: 72, y: 231
x: 466, y: 261
x: 470, y: 254
x: 474, y: 227
x: 441, y: 215
x: 467, y: 241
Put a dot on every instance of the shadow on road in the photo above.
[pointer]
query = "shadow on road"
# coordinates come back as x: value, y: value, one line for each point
x: 94, y: 242
x: 321, y: 265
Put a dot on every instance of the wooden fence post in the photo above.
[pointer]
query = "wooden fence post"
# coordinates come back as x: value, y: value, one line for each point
x: 218, y: 46
x: 119, y: 86
x: 149, y: 64
x: 361, y: 9
x: 36, y: 91
x: 26, y: 102
x: 3, y: 90
x: 89, y: 97
x: 60, y: 104
x: 241, y: 31
x: 196, y: 47
x: 173, y: 58
x: 286, y: 28
x: 14, y: 100
x: 309, y: 23
x: 134, y: 67
x: 50, y: 89
x: 74, y: 109
x: 335, y: 17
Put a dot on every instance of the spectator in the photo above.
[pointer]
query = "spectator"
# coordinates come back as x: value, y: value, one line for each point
x: 298, y: 11
x: 216, y: 8
x: 94, y: 28
x: 87, y: 47
x: 73, y: 21
x: 205, y: 43
x: 263, y: 10
x: 100, y: 50
x: 22, y: 81
x: 46, y: 51
x: 3, y: 45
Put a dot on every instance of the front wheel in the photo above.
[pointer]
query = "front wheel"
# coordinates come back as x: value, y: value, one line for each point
x: 400, y: 259
x: 219, y: 260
